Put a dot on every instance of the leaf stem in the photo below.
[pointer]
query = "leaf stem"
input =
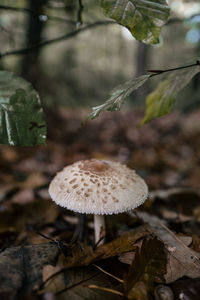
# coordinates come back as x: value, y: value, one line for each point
x: 157, y: 72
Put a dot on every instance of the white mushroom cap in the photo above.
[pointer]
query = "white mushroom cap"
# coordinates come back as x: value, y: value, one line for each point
x: 98, y: 187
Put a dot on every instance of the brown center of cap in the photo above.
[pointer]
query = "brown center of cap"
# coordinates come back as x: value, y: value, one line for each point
x: 96, y: 166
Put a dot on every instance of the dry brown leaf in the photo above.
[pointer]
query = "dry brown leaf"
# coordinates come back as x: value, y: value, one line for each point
x: 24, y: 263
x: 32, y: 215
x: 7, y: 188
x: 148, y: 267
x: 34, y: 180
x: 127, y: 258
x: 195, y: 243
x: 187, y: 240
x: 138, y: 292
x: 84, y: 255
x: 9, y: 154
x: 173, y: 215
x: 56, y: 283
x: 122, y: 244
x: 182, y: 260
x: 75, y: 283
x: 24, y: 196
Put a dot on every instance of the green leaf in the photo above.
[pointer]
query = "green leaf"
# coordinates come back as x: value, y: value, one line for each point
x: 148, y: 267
x: 119, y: 95
x: 144, y: 18
x: 161, y: 101
x: 21, y: 116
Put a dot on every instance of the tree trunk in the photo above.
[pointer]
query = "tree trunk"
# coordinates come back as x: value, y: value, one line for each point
x: 30, y: 65
x: 142, y: 59
x: 141, y: 69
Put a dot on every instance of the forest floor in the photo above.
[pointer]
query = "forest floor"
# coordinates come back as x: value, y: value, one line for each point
x: 151, y: 254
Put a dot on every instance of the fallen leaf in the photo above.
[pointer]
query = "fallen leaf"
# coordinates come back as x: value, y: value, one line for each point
x: 7, y: 189
x: 28, y: 217
x: 182, y: 260
x: 56, y: 284
x: 84, y: 255
x: 23, y: 196
x: 195, y: 243
x: 9, y: 154
x: 124, y: 243
x: 127, y: 258
x: 74, y: 284
x: 34, y: 180
x: 148, y: 267
x: 138, y: 292
x: 24, y: 264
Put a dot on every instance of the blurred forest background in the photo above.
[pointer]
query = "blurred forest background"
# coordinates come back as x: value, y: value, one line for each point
x: 73, y: 72
x: 80, y: 71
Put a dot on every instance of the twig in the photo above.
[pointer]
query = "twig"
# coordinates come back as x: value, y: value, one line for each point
x: 46, y: 237
x: 109, y: 274
x: 93, y: 286
x: 98, y: 242
x: 63, y: 247
x: 172, y: 21
x: 55, y: 40
x: 76, y: 284
x: 36, y: 15
x: 80, y: 13
x: 157, y: 72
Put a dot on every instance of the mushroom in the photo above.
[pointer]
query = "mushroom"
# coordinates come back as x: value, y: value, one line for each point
x: 98, y: 187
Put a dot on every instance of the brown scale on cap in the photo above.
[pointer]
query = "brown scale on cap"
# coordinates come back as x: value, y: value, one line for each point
x: 72, y: 181
x: 75, y: 186
x: 95, y: 166
x: 99, y: 187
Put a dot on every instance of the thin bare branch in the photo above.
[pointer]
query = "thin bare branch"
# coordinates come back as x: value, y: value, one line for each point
x: 42, y: 18
x: 157, y: 72
x: 55, y: 40
x: 80, y: 13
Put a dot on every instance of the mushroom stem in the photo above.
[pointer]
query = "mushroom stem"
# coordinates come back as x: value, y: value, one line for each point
x: 99, y: 229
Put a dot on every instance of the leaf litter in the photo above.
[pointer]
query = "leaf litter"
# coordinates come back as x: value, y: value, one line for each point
x: 153, y: 251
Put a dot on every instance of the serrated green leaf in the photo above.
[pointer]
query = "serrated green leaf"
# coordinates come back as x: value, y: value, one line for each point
x: 161, y: 101
x: 144, y: 18
x: 118, y: 96
x: 21, y: 116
